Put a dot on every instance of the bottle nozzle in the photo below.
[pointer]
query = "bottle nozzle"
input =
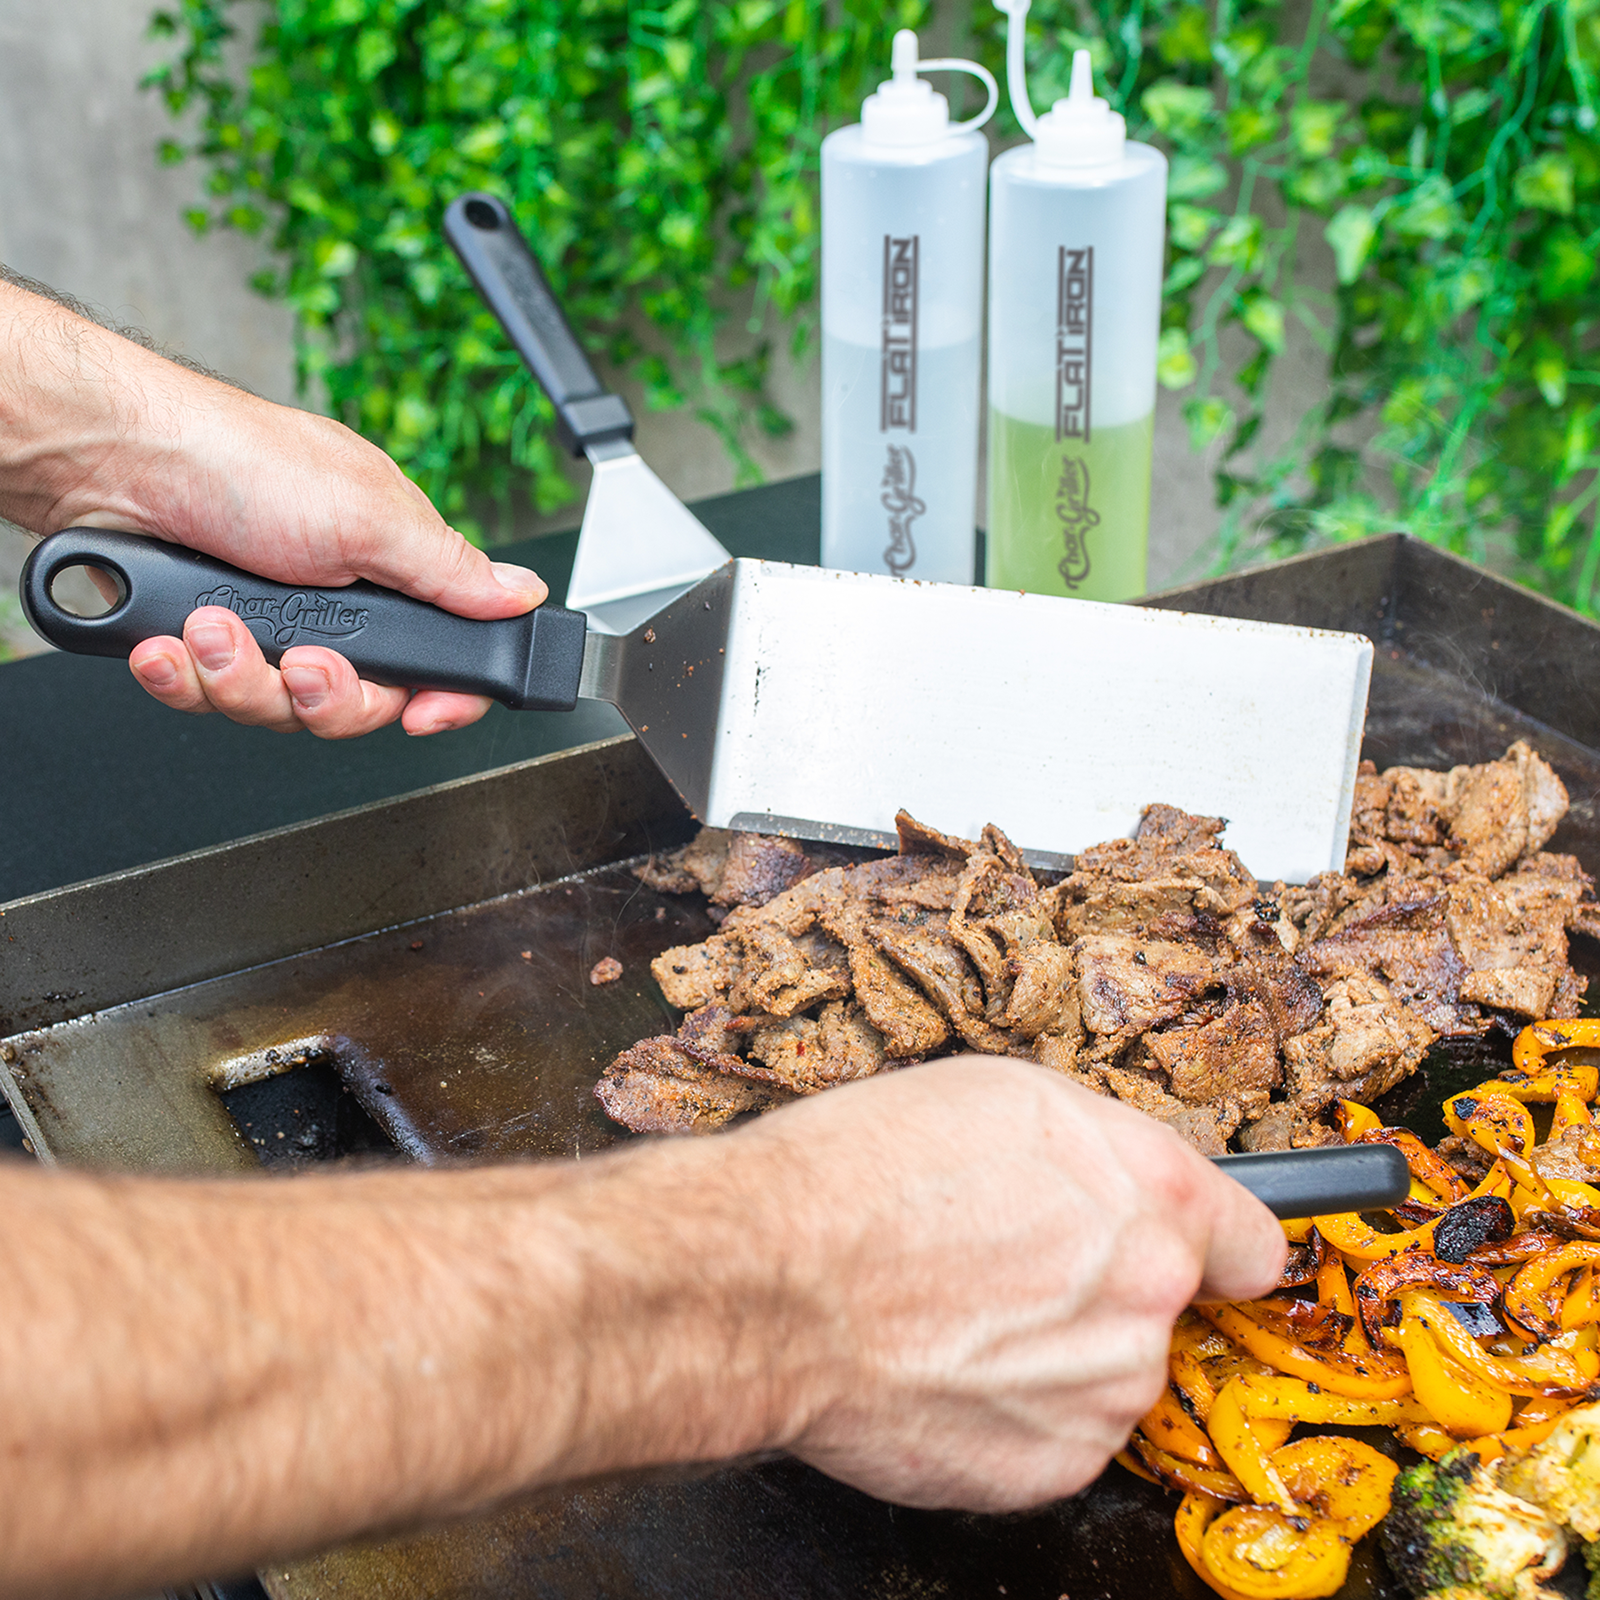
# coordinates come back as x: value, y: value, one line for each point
x: 906, y: 111
x: 903, y: 59
x: 1081, y: 90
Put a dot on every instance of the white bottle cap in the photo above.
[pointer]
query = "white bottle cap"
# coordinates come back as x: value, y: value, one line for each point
x: 1082, y: 130
x: 905, y: 110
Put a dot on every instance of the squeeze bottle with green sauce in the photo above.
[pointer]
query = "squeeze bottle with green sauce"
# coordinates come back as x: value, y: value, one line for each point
x: 902, y: 328
x: 1076, y: 231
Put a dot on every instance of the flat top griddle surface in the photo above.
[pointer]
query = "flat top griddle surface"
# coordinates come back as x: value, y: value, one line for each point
x: 466, y: 1047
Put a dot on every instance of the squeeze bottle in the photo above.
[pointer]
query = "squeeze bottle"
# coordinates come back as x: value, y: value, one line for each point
x: 902, y: 328
x: 1076, y: 225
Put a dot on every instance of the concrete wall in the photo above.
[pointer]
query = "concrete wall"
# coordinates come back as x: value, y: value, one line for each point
x: 84, y: 207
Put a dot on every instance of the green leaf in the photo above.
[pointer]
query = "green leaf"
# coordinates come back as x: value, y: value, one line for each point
x: 1179, y: 110
x: 1187, y: 37
x: 1448, y: 26
x: 1550, y: 372
x: 334, y: 258
x: 1193, y: 177
x: 1186, y: 270
x: 1249, y: 127
x: 1566, y: 265
x: 1545, y: 183
x: 1176, y: 367
x: 1263, y: 317
x: 1314, y: 127
x: 375, y: 49
x: 1350, y: 234
x: 1238, y: 244
x: 1190, y: 226
x: 1429, y: 211
x: 1208, y: 420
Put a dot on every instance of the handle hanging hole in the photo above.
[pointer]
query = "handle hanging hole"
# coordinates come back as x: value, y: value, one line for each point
x: 87, y: 591
x: 482, y: 215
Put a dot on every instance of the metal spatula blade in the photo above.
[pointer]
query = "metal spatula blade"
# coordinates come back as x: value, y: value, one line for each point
x: 639, y: 546
x: 815, y: 703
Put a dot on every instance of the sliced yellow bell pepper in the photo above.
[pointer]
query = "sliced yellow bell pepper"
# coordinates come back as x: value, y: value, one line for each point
x: 1344, y: 1480
x: 1530, y: 1297
x: 1560, y: 1033
x: 1168, y: 1426
x: 1195, y: 1515
x: 1353, y: 1119
x: 1546, y: 1371
x: 1261, y: 1555
x: 1492, y: 1118
x: 1362, y: 1375
x: 1462, y: 1403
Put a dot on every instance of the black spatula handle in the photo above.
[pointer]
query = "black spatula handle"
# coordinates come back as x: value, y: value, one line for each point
x: 530, y: 663
x: 499, y: 262
x: 1315, y: 1183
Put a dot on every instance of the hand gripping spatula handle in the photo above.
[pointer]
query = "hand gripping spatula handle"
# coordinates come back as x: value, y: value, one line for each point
x: 531, y: 662
x: 640, y: 546
x: 1316, y: 1183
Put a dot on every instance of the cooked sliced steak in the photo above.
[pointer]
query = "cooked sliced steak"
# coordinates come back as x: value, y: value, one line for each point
x: 807, y: 1054
x: 1158, y: 970
x: 693, y: 975
x: 1366, y: 1043
x: 758, y: 867
x: 1125, y: 982
x: 1236, y: 1053
x: 783, y: 975
x: 657, y: 1087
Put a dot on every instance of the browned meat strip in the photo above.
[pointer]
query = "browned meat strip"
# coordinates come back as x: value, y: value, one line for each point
x: 1124, y: 982
x: 1409, y: 947
x: 919, y: 943
x: 1366, y: 1043
x: 657, y: 1087
x: 1236, y: 1053
x: 1268, y: 975
x: 918, y: 839
x: 759, y: 867
x: 783, y: 975
x: 697, y: 866
x: 693, y: 975
x: 807, y: 1054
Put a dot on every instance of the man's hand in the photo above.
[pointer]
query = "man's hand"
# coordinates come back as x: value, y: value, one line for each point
x: 952, y: 1286
x: 97, y: 432
x: 997, y: 1258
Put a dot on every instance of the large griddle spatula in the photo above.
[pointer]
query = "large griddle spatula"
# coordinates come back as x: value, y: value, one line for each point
x: 814, y: 703
x: 640, y: 546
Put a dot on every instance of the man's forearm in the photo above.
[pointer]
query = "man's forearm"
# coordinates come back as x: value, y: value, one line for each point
x: 200, y: 1376
x: 74, y: 398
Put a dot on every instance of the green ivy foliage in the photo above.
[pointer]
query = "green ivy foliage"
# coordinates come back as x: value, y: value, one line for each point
x: 665, y: 162
x: 1460, y: 196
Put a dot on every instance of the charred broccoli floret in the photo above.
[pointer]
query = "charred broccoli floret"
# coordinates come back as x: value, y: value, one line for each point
x: 1591, y: 1559
x: 1453, y: 1526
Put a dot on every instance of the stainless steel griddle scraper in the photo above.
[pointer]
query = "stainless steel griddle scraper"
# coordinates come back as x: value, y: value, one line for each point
x: 814, y: 703
x: 639, y: 545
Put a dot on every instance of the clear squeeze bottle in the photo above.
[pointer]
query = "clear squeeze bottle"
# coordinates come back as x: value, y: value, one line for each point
x: 1076, y: 224
x: 902, y: 328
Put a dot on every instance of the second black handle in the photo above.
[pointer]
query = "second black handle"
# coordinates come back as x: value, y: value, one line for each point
x: 1314, y: 1183
x: 482, y: 232
x: 530, y: 663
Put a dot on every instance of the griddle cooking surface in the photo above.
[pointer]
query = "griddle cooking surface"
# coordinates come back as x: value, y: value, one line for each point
x: 463, y: 1048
